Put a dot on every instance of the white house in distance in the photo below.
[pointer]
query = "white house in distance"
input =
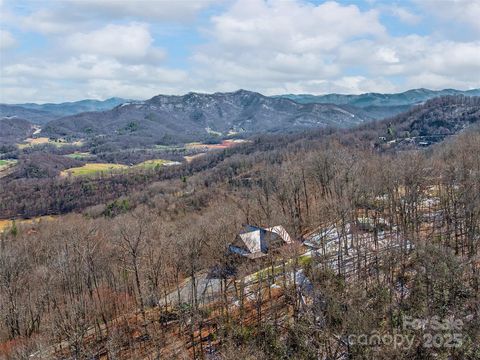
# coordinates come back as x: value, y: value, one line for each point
x: 254, y: 241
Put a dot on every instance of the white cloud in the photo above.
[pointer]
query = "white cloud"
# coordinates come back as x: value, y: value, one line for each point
x: 361, y: 84
x: 131, y: 41
x: 343, y: 84
x: 413, y: 55
x: 73, y: 15
x: 88, y: 67
x: 6, y: 40
x: 267, y: 45
x: 465, y: 12
x: 47, y: 21
x: 87, y: 76
x: 403, y: 14
x: 387, y: 55
x: 263, y: 45
x: 169, y: 10
x: 459, y: 60
x: 108, y: 48
x: 293, y: 26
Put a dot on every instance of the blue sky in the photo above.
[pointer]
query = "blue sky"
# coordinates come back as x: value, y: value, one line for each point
x: 58, y: 50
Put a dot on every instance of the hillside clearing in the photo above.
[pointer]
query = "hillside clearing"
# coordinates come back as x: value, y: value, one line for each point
x: 79, y: 155
x: 6, y: 166
x: 90, y: 169
x: 7, y: 163
x: 7, y: 224
x: 95, y: 168
x: 190, y: 158
x: 223, y: 145
x: 30, y: 142
x: 152, y: 164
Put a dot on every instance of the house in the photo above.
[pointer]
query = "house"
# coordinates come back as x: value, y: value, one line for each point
x: 254, y: 241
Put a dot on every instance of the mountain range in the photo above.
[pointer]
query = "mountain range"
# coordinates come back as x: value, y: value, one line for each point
x: 407, y: 98
x: 167, y: 119
x: 202, y: 117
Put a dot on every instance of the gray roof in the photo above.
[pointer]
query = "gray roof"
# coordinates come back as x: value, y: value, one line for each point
x: 253, y: 238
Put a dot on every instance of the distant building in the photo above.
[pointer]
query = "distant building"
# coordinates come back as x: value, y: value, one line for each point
x: 254, y: 241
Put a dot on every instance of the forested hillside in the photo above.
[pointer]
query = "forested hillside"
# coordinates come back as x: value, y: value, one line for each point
x: 32, y: 115
x: 427, y: 124
x: 14, y: 129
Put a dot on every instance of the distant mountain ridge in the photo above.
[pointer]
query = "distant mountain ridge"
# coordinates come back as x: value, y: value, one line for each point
x: 42, y: 113
x: 407, y: 98
x: 76, y: 107
x: 18, y: 112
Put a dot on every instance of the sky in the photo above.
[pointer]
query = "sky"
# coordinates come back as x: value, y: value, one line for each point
x: 67, y: 50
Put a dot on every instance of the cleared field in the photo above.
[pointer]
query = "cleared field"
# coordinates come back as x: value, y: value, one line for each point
x: 6, y: 163
x: 223, y: 145
x: 37, y: 141
x: 7, y: 224
x: 190, y: 158
x: 152, y: 164
x: 44, y: 140
x: 90, y: 169
x: 79, y: 155
x: 202, y: 148
x: 5, y: 166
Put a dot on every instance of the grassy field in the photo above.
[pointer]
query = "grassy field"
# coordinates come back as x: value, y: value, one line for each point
x: 93, y: 168
x: 7, y: 224
x: 79, y: 155
x: 90, y: 169
x: 30, y: 142
x: 5, y: 164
